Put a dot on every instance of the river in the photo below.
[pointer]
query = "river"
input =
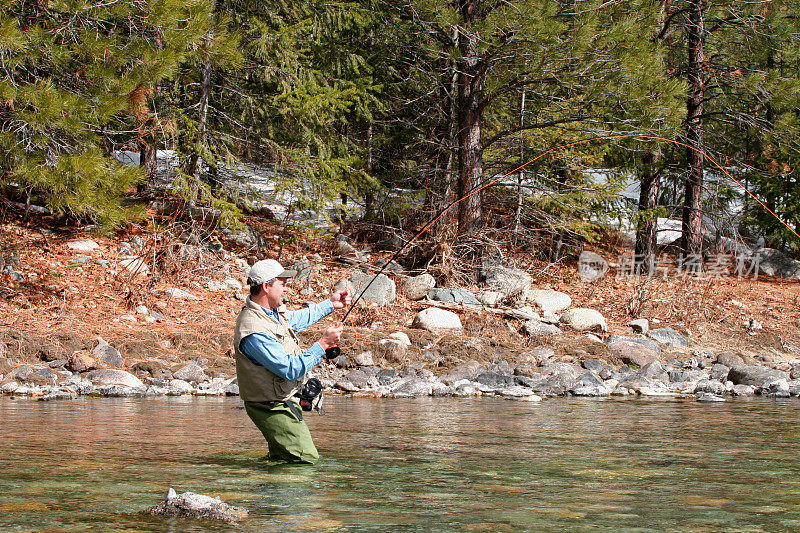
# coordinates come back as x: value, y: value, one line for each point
x: 408, y: 465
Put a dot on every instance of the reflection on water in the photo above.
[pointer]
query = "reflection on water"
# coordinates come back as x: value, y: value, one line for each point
x: 414, y: 465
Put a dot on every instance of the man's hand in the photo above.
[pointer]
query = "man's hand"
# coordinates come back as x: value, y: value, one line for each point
x: 331, y: 336
x: 341, y: 299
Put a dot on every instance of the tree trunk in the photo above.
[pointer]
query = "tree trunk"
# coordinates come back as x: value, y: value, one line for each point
x: 147, y: 160
x: 693, y: 202
x: 470, y: 89
x: 645, y: 251
x: 202, y: 119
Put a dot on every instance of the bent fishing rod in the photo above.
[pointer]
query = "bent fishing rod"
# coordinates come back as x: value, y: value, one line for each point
x: 335, y: 351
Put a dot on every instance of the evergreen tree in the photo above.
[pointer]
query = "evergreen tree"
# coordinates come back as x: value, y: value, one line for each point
x: 72, y: 73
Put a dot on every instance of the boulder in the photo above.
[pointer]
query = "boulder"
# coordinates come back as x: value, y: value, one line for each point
x: 753, y: 375
x: 412, y: 386
x: 774, y: 263
x: 394, y: 351
x: 591, y: 266
x: 401, y: 336
x: 381, y: 291
x: 668, y: 336
x: 110, y: 376
x: 417, y: 287
x: 197, y: 506
x: 191, y: 373
x: 81, y: 361
x: 647, y: 343
x: 729, y: 359
x: 506, y: 279
x: 549, y: 300
x: 468, y: 371
x: 458, y: 296
x: 107, y: 353
x: 583, y: 319
x: 359, y: 378
x: 632, y: 352
x: 438, y: 321
x: 494, y: 380
x: 536, y: 328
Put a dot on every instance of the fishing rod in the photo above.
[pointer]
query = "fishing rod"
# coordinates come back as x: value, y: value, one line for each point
x: 334, y: 351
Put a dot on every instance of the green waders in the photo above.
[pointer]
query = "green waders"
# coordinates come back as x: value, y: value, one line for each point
x: 287, y: 435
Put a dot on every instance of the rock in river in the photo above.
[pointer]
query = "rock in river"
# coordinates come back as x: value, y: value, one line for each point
x: 191, y: 505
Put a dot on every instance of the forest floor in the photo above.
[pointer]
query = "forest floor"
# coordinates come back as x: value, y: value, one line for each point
x: 62, y: 305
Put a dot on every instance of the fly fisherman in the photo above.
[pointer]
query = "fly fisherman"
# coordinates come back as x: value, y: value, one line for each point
x: 270, y: 365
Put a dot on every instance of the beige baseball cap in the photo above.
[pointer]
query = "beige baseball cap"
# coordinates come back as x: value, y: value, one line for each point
x: 266, y: 270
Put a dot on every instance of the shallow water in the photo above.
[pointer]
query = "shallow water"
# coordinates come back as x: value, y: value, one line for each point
x: 408, y: 465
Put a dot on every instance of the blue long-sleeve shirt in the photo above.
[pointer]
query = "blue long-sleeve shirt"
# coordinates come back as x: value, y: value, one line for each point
x: 265, y: 350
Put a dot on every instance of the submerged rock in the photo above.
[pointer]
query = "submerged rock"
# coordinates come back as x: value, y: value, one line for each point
x: 191, y: 505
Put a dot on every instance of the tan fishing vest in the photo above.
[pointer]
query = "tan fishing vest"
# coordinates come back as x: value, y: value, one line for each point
x: 256, y: 383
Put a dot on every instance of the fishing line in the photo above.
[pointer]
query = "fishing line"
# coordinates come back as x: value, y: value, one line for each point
x: 492, y: 181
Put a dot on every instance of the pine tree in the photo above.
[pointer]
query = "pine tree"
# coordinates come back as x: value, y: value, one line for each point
x: 74, y: 72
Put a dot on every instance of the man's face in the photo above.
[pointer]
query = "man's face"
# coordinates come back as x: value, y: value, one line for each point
x: 275, y: 292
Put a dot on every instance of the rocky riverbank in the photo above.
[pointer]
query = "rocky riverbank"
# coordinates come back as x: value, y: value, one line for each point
x: 87, y: 316
x: 632, y: 367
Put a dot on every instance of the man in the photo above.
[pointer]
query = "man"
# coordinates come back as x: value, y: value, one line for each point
x: 270, y: 365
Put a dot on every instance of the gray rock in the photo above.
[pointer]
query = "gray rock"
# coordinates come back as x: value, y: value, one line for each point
x: 591, y: 266
x: 583, y: 319
x: 364, y: 359
x: 458, y: 296
x: 491, y: 298
x: 180, y: 294
x: 46, y: 372
x: 753, y: 375
x: 417, y: 287
x: 109, y: 376
x: 550, y: 301
x: 711, y: 387
x: 654, y: 371
x: 81, y: 260
x: 640, y: 325
x: 382, y: 291
x: 709, y: 397
x: 386, y: 376
x: 192, y: 373
x: 729, y: 359
x: 107, y: 353
x: 468, y: 371
x: 720, y: 372
x: 358, y: 378
x: 56, y: 395
x: 494, y: 380
x: 774, y: 263
x: 595, y: 365
x: 633, y: 352
x: 594, y: 390
x: 743, y: 390
x: 438, y: 321
x: 105, y: 263
x: 197, y: 506
x: 536, y: 328
x: 590, y: 378
x: 795, y: 372
x: 411, y: 386
x: 775, y: 387
x: 668, y: 336
x: 506, y: 279
x: 21, y: 373
x: 542, y: 353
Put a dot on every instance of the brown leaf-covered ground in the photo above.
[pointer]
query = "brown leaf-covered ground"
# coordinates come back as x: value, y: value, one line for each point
x: 63, y: 306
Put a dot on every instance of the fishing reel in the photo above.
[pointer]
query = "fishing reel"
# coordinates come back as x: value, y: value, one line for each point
x: 333, y: 352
